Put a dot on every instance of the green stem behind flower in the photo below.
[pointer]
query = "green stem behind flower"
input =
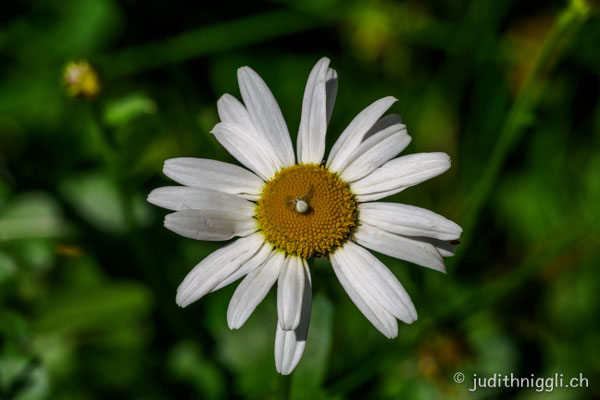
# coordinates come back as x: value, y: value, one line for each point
x: 521, y: 114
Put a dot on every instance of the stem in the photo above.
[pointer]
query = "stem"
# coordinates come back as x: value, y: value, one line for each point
x: 520, y: 115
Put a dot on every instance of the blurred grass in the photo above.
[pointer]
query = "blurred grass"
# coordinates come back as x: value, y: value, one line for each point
x: 88, y: 274
x: 521, y: 114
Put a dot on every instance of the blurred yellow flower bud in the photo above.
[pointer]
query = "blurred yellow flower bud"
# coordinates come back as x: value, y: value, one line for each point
x: 81, y: 79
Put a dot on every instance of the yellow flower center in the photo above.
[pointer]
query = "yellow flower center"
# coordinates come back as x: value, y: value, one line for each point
x: 306, y: 210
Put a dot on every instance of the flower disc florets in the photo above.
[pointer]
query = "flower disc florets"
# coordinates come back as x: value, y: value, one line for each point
x: 325, y: 225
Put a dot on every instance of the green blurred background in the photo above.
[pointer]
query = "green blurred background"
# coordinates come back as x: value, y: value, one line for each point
x: 88, y: 274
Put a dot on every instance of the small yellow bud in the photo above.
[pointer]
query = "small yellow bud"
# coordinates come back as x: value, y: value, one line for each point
x: 81, y: 79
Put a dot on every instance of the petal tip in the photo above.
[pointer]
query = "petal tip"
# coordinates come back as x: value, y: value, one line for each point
x: 151, y: 197
x: 288, y: 325
x: 232, y: 326
x: 181, y: 300
x: 224, y: 97
x: 231, y: 321
x: 244, y: 71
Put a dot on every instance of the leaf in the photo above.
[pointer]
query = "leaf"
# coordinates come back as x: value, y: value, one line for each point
x: 248, y: 351
x: 120, y: 111
x: 8, y: 268
x: 187, y: 364
x: 38, y: 385
x: 97, y: 199
x: 308, y: 377
x: 93, y: 308
x: 31, y: 215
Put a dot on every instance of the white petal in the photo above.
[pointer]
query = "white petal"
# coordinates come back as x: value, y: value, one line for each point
x: 290, y: 289
x: 289, y: 345
x: 398, y: 174
x: 445, y: 248
x: 288, y: 350
x: 246, y: 149
x: 381, y: 318
x: 253, y: 289
x: 378, y: 280
x: 331, y: 87
x: 375, y: 151
x: 231, y: 110
x: 384, y: 123
x: 179, y: 198
x: 256, y: 261
x: 313, y: 122
x: 210, y: 224
x: 265, y: 113
x: 402, y: 247
x: 216, y: 267
x: 408, y: 220
x: 353, y: 135
x: 211, y: 174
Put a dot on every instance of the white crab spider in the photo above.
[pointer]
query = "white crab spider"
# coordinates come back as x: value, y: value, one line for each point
x: 299, y: 203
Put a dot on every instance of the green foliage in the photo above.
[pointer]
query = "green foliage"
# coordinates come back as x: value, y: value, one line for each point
x: 88, y: 274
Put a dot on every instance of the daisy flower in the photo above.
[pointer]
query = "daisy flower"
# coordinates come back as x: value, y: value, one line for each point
x: 286, y: 209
